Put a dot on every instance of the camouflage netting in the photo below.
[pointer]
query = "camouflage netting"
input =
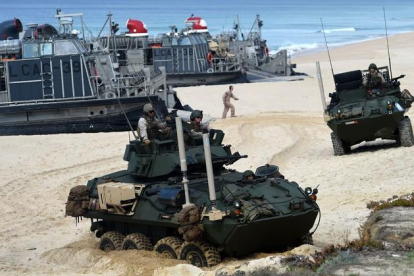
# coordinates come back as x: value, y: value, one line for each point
x: 78, y: 201
x: 189, y: 218
x: 257, y: 208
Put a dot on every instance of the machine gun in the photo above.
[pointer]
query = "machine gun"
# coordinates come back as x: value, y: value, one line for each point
x: 397, y: 78
x: 395, y: 81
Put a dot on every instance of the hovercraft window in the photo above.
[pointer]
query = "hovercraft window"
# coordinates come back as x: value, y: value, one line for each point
x: 185, y: 41
x: 30, y: 50
x: 166, y: 42
x: 65, y: 48
x: 46, y: 49
x: 174, y: 42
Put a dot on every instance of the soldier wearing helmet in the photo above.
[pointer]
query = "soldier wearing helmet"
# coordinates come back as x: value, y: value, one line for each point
x: 374, y: 78
x: 198, y: 128
x: 148, y: 127
x: 248, y: 175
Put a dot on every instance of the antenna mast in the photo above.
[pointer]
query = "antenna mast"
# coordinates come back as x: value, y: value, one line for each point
x: 329, y: 55
x: 388, y: 47
x: 126, y: 117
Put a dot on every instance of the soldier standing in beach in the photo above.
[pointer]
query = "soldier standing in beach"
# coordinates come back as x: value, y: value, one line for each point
x: 226, y: 101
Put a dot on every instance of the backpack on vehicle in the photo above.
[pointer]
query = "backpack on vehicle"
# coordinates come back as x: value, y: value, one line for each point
x: 78, y: 201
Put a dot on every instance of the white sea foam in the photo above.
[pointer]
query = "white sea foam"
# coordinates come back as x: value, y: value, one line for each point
x: 293, y: 48
x: 352, y: 29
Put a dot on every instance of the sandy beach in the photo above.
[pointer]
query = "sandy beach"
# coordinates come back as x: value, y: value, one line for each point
x: 278, y: 123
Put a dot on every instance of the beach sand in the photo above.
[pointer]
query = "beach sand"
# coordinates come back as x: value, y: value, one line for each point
x: 278, y: 123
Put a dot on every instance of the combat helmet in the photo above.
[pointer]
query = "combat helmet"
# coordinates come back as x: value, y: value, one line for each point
x: 148, y: 108
x: 247, y: 173
x: 196, y: 114
x: 372, y: 66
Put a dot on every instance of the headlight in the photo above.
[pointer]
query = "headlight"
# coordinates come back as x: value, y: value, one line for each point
x: 237, y: 204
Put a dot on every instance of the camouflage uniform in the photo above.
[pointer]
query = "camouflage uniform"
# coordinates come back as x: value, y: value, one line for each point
x: 199, y: 129
x: 149, y: 128
x: 374, y: 79
x: 227, y: 105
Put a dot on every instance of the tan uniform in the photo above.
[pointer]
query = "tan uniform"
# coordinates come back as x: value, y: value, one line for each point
x: 227, y: 105
x: 149, y: 128
x: 373, y: 80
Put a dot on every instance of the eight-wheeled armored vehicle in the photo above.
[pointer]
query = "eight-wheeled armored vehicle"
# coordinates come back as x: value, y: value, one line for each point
x: 186, y: 204
x: 359, y: 112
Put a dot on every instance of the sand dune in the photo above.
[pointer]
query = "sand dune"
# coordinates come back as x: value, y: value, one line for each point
x: 279, y: 123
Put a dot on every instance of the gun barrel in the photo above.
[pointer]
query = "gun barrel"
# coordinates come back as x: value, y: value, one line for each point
x: 229, y: 157
x: 397, y: 78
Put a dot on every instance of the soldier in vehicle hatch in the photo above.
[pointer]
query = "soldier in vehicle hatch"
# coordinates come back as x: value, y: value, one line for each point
x: 149, y: 128
x: 198, y: 128
x: 374, y: 78
x: 248, y: 175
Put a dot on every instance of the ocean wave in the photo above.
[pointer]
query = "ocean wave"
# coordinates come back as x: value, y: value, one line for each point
x: 352, y: 29
x: 293, y: 48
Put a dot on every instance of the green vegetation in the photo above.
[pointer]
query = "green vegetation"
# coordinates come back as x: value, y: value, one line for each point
x: 395, y: 201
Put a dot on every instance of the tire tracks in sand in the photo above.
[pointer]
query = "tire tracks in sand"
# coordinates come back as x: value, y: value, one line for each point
x: 301, y: 129
x: 27, y: 223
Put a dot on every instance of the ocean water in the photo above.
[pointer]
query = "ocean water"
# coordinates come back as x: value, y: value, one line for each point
x: 291, y: 24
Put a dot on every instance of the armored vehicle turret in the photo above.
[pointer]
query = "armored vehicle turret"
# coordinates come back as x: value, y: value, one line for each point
x: 364, y: 109
x: 186, y: 204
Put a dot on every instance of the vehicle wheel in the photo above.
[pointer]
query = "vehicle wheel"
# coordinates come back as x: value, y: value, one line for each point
x: 137, y: 241
x: 169, y: 247
x: 338, y: 145
x: 405, y: 132
x: 111, y: 241
x: 200, y: 254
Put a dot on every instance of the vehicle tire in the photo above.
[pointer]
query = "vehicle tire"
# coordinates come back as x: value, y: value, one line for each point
x: 405, y: 133
x: 200, y: 254
x: 169, y: 247
x: 338, y: 145
x: 137, y: 241
x: 111, y: 241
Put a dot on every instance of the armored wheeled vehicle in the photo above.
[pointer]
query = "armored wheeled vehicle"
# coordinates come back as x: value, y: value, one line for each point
x: 362, y: 110
x: 187, y: 205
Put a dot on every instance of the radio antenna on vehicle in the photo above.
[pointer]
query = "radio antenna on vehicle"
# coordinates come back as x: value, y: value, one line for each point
x: 388, y: 47
x: 326, y: 43
x: 126, y: 117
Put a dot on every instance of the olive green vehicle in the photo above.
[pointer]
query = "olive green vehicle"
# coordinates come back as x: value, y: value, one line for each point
x: 185, y: 204
x: 360, y: 112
